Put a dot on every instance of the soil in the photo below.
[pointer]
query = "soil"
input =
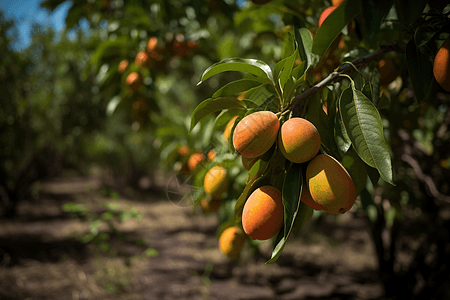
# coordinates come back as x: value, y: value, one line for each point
x: 331, y: 258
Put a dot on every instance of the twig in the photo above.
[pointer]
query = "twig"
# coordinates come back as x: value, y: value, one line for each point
x: 346, y: 68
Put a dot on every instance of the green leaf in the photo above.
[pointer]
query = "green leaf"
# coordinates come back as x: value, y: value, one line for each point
x: 374, y: 176
x: 341, y: 138
x: 365, y: 129
x: 280, y: 242
x: 305, y: 44
x: 407, y: 12
x: 303, y: 215
x: 289, y: 46
x: 357, y: 169
x: 237, y: 86
x: 283, y: 70
x: 318, y: 117
x: 299, y: 70
x: 373, y: 12
x: 252, y: 66
x: 292, y: 189
x: 420, y: 70
x: 333, y: 25
x: 210, y: 106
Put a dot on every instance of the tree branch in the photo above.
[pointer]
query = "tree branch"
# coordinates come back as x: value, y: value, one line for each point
x: 344, y: 69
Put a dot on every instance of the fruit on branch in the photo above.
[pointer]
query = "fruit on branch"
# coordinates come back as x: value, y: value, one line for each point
x: 325, y: 15
x: 232, y: 241
x: 134, y: 81
x: 306, y: 198
x: 123, y: 65
x: 216, y: 182
x: 210, y: 206
x: 249, y: 162
x: 387, y: 71
x: 211, y: 154
x: 263, y: 213
x: 256, y: 133
x: 330, y: 185
x: 260, y: 2
x: 228, y: 128
x: 143, y: 60
x: 441, y: 66
x: 299, y: 140
x: 195, y: 160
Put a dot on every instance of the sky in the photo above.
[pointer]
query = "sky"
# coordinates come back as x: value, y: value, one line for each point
x: 25, y: 12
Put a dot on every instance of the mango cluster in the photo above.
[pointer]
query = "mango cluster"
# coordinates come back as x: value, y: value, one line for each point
x: 328, y: 186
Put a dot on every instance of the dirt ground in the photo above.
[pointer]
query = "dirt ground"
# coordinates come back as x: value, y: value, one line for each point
x: 40, y: 260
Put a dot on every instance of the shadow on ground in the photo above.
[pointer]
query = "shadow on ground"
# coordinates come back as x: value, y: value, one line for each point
x: 38, y: 259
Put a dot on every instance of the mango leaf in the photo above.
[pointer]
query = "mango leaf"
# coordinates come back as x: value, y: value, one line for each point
x: 341, y: 138
x: 210, y: 106
x: 357, y: 169
x: 299, y: 70
x: 235, y: 87
x: 289, y: 46
x: 292, y: 189
x: 420, y: 70
x: 283, y: 70
x: 373, y: 174
x: 333, y: 25
x: 252, y: 66
x: 303, y: 215
x: 373, y: 12
x: 365, y: 129
x: 305, y: 43
x: 317, y: 116
x: 406, y: 12
x: 280, y: 242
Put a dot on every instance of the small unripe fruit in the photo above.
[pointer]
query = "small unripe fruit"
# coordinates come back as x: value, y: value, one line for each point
x: 195, y: 160
x: 256, y: 133
x: 299, y: 140
x: 325, y: 15
x: 134, y: 81
x: 262, y: 217
x: 232, y: 241
x: 441, y: 66
x: 216, y: 182
x: 228, y: 128
x: 210, y: 206
x: 123, y: 65
x: 387, y: 71
x: 330, y: 185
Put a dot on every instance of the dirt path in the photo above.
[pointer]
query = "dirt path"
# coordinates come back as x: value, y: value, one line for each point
x: 38, y: 259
